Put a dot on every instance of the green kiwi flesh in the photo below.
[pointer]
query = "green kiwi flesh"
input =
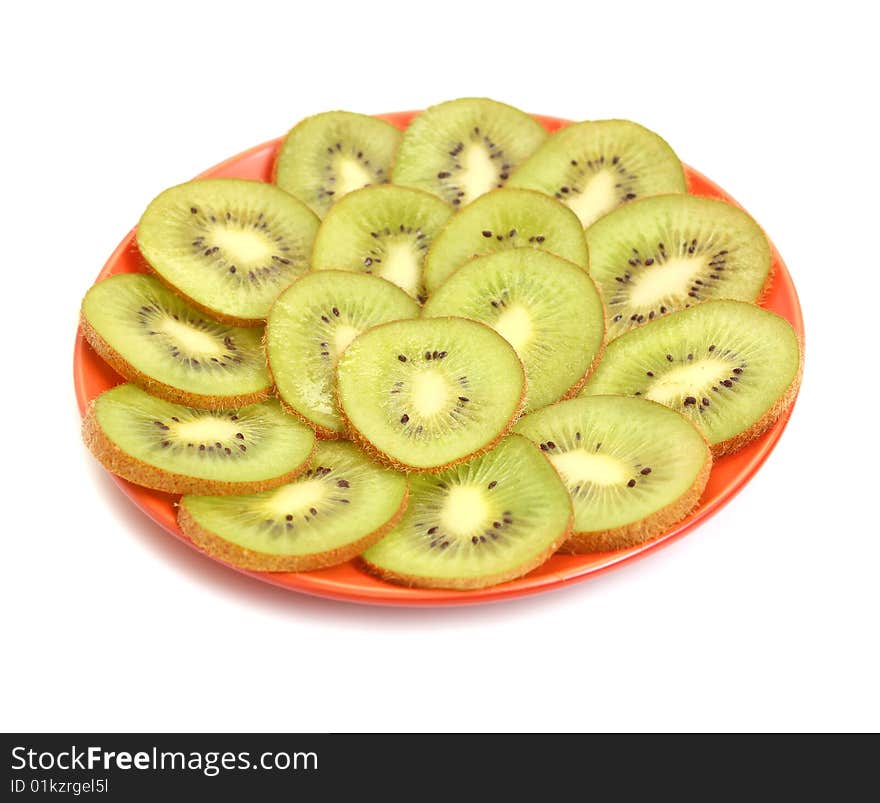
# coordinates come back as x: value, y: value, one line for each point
x: 170, y: 447
x: 669, y: 252
x: 342, y: 504
x: 229, y: 246
x: 547, y: 308
x: 311, y: 324
x: 500, y: 220
x: 480, y: 523
x: 463, y: 148
x: 596, y: 166
x: 423, y: 394
x: 633, y: 467
x: 385, y: 231
x: 157, y: 340
x: 326, y: 156
x: 729, y: 366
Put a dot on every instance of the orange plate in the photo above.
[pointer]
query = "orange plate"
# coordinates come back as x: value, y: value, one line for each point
x: 348, y: 582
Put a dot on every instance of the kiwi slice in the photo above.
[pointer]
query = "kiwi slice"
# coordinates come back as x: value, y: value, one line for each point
x: 547, y: 308
x: 424, y: 394
x: 158, y: 341
x: 330, y: 154
x: 492, y: 519
x: 633, y: 467
x: 169, y: 447
x: 341, y: 505
x: 463, y: 148
x: 505, y: 219
x: 669, y: 252
x: 731, y: 367
x: 309, y: 327
x: 385, y: 231
x: 596, y: 166
x: 229, y: 246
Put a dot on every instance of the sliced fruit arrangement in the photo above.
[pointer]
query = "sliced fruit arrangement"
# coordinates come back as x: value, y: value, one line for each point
x: 386, y: 231
x: 326, y: 156
x: 427, y: 393
x: 229, y: 246
x: 156, y: 340
x: 311, y: 324
x: 524, y: 344
x: 667, y: 253
x: 483, y: 522
x: 342, y: 504
x: 463, y: 148
x: 731, y: 367
x: 501, y: 220
x: 547, y: 308
x: 633, y: 467
x: 596, y: 166
x: 179, y: 449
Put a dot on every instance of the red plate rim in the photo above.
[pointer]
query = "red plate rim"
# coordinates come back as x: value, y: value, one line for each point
x: 350, y: 583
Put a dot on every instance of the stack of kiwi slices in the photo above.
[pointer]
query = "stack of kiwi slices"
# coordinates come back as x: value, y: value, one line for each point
x: 447, y: 352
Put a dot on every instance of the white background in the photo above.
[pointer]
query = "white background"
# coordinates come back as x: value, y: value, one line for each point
x: 763, y: 619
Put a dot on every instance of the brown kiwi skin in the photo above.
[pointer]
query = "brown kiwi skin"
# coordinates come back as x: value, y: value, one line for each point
x: 118, y: 462
x: 637, y: 533
x: 475, y: 583
x: 769, y: 418
x: 156, y: 388
x: 260, y: 561
x: 351, y: 432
